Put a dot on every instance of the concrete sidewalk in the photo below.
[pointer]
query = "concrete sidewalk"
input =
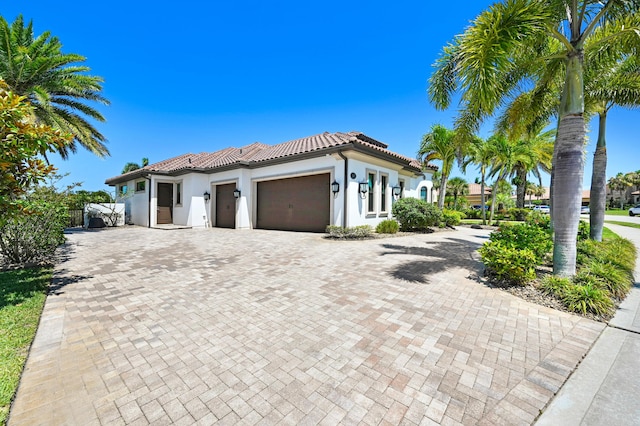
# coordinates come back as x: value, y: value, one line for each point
x: 605, y: 387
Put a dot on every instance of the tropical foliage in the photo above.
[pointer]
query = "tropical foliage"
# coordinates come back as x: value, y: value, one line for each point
x: 54, y: 83
x: 438, y: 144
x: 509, y: 45
x: 129, y: 167
x: 23, y: 146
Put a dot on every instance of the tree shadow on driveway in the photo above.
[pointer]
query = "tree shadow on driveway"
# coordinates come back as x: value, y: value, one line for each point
x: 436, y: 257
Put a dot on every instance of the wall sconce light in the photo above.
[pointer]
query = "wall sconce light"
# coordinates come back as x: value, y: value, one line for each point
x: 363, y: 187
x: 236, y: 193
x: 206, y: 196
x: 335, y: 187
x: 396, y: 191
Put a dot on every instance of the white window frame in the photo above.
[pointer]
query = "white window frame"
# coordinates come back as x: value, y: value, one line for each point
x: 372, y: 198
x: 384, y: 194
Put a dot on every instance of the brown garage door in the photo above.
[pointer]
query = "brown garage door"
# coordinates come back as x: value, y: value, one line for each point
x: 294, y: 204
x: 225, y: 206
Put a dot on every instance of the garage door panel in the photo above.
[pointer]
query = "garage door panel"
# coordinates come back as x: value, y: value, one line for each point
x: 294, y: 204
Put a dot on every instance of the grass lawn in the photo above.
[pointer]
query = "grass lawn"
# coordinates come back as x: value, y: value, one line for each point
x: 617, y: 212
x: 608, y: 234
x: 629, y: 224
x: 22, y: 296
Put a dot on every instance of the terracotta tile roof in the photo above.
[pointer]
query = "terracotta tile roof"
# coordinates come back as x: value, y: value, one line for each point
x: 258, y: 152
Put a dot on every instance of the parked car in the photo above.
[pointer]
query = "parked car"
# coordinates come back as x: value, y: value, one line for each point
x: 585, y: 210
x: 479, y: 207
x: 634, y: 210
x: 542, y: 209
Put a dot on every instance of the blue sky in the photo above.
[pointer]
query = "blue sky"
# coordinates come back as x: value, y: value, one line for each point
x: 203, y: 76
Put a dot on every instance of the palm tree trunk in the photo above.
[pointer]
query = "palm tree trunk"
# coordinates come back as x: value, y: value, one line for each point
x: 443, y: 191
x: 568, y: 169
x: 521, y: 187
x: 494, y: 192
x: 482, y: 203
x: 598, y: 196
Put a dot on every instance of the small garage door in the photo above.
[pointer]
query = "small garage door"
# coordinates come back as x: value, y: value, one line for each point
x: 294, y: 204
x: 225, y: 206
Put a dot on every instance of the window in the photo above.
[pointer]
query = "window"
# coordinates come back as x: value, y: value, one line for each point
x: 383, y: 192
x: 122, y: 190
x: 140, y: 186
x: 423, y: 193
x: 401, y: 189
x: 371, y: 202
x: 178, y: 193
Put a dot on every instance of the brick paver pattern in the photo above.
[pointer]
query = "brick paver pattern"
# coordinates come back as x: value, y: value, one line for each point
x: 222, y: 326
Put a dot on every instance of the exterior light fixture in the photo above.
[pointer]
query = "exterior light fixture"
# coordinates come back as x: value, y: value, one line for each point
x: 206, y: 196
x: 335, y: 187
x: 363, y: 187
x: 396, y: 191
x: 236, y: 193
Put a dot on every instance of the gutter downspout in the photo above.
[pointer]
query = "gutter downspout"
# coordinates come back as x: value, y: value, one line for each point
x: 346, y: 175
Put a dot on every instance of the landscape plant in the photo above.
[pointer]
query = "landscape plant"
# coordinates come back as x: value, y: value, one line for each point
x: 32, y: 238
x: 416, y: 215
x: 56, y: 85
x: 388, y: 226
x: 350, y: 233
x: 451, y: 217
x: 499, y: 53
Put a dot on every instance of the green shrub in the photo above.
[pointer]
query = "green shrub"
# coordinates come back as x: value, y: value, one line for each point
x: 350, y: 233
x: 388, y: 226
x: 583, y: 230
x: 472, y: 213
x: 416, y: 215
x: 525, y: 236
x: 556, y: 286
x: 587, y: 299
x: 451, y: 217
x: 539, y: 219
x: 519, y: 214
x: 617, y: 251
x: 605, y: 275
x: 32, y: 238
x: 508, y: 263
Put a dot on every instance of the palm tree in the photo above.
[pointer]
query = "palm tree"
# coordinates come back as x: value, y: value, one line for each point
x: 619, y: 183
x: 54, y: 84
x: 457, y: 187
x: 530, y: 190
x: 500, y: 51
x: 129, y: 167
x: 438, y: 145
x: 504, y: 160
x: 479, y: 152
x: 534, y: 155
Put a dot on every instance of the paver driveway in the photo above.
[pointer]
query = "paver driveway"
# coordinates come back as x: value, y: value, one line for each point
x: 185, y: 326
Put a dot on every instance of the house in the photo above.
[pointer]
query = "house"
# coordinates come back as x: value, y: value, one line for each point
x: 474, y: 198
x: 345, y: 179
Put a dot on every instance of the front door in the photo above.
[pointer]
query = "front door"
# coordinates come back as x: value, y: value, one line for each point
x: 165, y: 203
x: 225, y: 206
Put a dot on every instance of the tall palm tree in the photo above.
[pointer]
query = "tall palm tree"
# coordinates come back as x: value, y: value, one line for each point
x: 530, y: 190
x: 479, y: 152
x: 534, y: 155
x: 438, y: 145
x: 457, y: 187
x: 500, y: 51
x: 53, y: 82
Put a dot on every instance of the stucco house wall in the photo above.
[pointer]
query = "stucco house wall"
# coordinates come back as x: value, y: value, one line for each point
x: 348, y: 166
